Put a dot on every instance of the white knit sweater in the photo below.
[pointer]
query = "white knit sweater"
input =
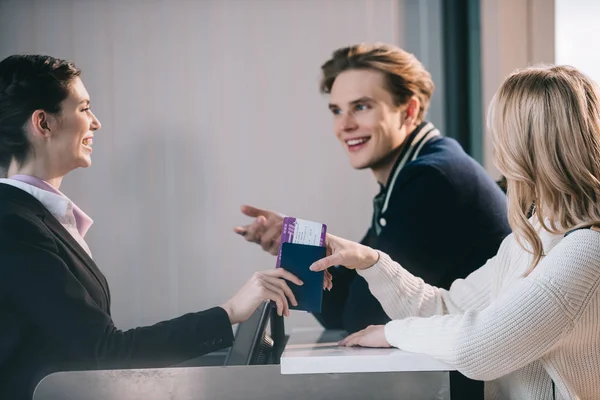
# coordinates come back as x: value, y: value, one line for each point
x: 513, y: 332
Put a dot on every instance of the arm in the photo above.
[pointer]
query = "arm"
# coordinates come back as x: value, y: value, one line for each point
x: 43, y: 290
x: 527, y: 321
x: 401, y: 293
x: 404, y: 295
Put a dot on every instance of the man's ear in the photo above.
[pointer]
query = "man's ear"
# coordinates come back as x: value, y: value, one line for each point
x: 42, y: 123
x: 413, y: 106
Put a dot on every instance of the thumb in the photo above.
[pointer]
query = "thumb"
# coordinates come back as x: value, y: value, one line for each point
x: 253, y: 211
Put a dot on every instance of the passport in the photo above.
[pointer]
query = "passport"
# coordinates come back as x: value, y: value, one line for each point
x: 296, y: 230
x: 297, y: 258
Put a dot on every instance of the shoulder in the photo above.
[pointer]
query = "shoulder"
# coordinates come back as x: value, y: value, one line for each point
x: 420, y: 174
x: 444, y: 160
x: 447, y: 155
x: 578, y: 252
x: 439, y: 159
x: 571, y: 269
x: 21, y: 224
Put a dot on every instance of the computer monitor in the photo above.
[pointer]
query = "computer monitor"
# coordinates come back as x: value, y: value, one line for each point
x: 252, y: 345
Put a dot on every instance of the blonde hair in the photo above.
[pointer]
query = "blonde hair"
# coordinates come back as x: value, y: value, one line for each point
x: 545, y: 126
x: 405, y: 75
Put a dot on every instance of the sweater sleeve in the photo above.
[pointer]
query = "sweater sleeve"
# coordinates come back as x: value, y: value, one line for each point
x: 43, y: 290
x: 520, y: 326
x: 404, y: 295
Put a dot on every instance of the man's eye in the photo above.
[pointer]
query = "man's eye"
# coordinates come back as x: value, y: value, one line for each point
x: 336, y: 111
x: 361, y: 107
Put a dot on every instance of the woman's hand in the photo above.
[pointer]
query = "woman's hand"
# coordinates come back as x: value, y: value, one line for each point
x: 263, y: 286
x: 344, y: 252
x: 371, y: 336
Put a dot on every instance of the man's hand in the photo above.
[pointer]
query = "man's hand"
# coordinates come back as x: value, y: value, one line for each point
x: 265, y: 230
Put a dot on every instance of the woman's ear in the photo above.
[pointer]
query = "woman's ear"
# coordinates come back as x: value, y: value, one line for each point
x: 42, y: 123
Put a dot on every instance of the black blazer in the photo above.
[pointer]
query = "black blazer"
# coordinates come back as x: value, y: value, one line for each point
x: 55, y: 308
x: 446, y: 217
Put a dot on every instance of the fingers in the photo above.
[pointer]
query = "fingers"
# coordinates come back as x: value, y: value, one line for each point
x: 277, y: 294
x: 282, y: 273
x: 282, y: 288
x: 329, y: 261
x: 240, y: 230
x: 273, y: 287
x: 356, y: 339
x: 352, y: 340
x: 271, y: 238
x: 273, y: 282
x: 327, y: 281
x: 262, y: 289
x: 371, y: 336
x: 254, y: 212
x: 254, y: 231
x: 270, y: 295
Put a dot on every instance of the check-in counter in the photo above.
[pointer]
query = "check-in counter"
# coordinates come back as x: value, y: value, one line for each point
x: 311, y: 368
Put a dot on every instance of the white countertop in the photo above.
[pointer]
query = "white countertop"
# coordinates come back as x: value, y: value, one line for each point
x: 325, y: 358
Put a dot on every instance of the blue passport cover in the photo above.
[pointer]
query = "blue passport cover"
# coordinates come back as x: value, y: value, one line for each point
x: 297, y: 258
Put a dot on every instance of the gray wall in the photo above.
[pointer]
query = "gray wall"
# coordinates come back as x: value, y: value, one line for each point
x: 575, y: 25
x: 514, y: 34
x: 205, y: 105
x: 421, y: 34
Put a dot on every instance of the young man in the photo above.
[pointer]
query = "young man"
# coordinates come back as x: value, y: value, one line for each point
x: 438, y: 213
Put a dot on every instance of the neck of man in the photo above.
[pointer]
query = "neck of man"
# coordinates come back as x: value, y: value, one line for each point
x: 37, y: 169
x: 382, y: 169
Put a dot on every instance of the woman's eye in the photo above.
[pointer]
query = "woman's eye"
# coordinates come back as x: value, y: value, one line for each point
x: 85, y: 109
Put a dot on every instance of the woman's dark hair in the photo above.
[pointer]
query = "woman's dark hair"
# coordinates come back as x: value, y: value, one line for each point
x: 29, y: 83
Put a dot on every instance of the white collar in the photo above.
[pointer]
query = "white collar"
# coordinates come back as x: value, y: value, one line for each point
x: 58, y: 205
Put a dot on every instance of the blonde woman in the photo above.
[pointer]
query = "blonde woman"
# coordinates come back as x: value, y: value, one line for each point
x: 528, y: 321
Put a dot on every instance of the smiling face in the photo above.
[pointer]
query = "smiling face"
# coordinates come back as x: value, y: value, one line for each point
x: 367, y: 122
x: 71, y: 146
x: 61, y: 141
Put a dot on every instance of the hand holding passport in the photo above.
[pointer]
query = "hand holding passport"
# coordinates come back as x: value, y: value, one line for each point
x: 302, y: 243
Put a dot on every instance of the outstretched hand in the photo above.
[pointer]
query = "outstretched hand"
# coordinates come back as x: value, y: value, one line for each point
x: 265, y: 230
x: 344, y: 252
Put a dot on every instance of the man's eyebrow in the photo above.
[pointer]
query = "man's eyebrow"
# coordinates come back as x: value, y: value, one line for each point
x: 363, y: 99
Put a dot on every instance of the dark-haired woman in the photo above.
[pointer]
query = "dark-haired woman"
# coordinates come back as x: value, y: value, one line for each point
x: 54, y: 301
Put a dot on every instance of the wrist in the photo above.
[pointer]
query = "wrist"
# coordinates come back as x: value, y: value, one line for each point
x: 229, y: 310
x: 372, y: 258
